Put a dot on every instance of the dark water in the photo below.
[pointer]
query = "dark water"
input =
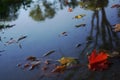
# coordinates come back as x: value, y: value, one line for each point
x: 43, y: 22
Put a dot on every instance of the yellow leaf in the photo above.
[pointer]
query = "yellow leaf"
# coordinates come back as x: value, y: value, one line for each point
x: 67, y: 61
x: 79, y: 16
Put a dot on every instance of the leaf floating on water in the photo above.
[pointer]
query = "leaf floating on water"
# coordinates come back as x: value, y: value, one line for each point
x: 80, y: 25
x: 11, y: 41
x: 34, y: 64
x: 47, y: 62
x: 26, y: 65
x: 18, y: 65
x: 79, y: 16
x: 20, y: 46
x: 78, y: 45
x: 98, y: 61
x: 21, y: 38
x: 31, y: 58
x: 48, y: 53
x: 67, y: 61
x: 117, y: 28
x: 115, y: 6
x: 64, y: 33
x: 70, y: 9
x: 59, y: 69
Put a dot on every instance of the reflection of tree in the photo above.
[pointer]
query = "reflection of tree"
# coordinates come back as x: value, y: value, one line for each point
x: 9, y: 8
x: 2, y: 26
x: 105, y: 38
x: 48, y: 9
x: 102, y: 38
x: 38, y: 14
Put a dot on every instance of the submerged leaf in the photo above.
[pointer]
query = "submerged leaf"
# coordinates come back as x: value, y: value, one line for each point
x: 98, y: 61
x: 59, y: 69
x: 48, y: 53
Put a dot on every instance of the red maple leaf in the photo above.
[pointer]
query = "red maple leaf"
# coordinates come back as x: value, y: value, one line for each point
x: 98, y: 61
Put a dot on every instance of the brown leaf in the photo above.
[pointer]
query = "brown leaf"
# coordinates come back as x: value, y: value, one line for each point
x: 115, y: 6
x: 117, y: 28
x: 31, y: 58
x: 64, y: 33
x: 26, y: 65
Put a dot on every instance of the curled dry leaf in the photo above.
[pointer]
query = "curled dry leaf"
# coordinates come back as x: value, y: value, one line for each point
x: 48, y: 53
x: 115, y: 6
x: 117, y: 28
x: 98, y: 61
x: 80, y: 25
x: 21, y: 38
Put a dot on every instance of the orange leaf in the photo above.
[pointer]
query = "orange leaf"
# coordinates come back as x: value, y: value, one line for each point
x: 98, y: 61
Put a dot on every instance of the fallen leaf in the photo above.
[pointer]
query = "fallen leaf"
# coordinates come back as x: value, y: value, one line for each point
x: 31, y: 58
x: 67, y: 61
x: 26, y: 65
x: 79, y: 16
x: 98, y: 61
x: 11, y: 41
x: 115, y: 6
x: 44, y: 68
x: 117, y: 28
x: 47, y: 62
x: 59, y: 69
x: 78, y: 45
x: 70, y: 9
x: 34, y: 64
x: 21, y: 38
x: 48, y: 53
x: 18, y: 65
x: 80, y: 25
x: 64, y: 33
